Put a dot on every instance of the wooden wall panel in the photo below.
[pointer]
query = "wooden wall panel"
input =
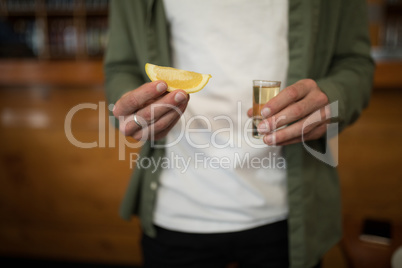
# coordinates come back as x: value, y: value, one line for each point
x: 371, y: 177
x: 370, y: 154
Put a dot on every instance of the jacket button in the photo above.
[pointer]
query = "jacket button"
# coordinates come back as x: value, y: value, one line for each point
x: 154, y: 186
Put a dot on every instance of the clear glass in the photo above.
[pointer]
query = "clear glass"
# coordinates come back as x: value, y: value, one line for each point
x: 263, y: 91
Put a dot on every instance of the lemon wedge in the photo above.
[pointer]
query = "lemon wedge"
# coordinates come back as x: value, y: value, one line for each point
x: 177, y: 79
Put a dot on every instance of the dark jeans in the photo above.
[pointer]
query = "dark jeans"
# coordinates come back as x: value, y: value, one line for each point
x: 265, y: 246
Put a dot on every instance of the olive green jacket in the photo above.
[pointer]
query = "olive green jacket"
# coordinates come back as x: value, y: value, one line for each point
x: 328, y: 42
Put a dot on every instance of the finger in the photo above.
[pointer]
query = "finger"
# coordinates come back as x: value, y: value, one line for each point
x: 165, y: 131
x: 168, y: 119
x: 250, y: 112
x: 292, y: 141
x: 287, y: 96
x: 153, y: 112
x: 156, y: 110
x: 128, y: 126
x: 296, y: 111
x: 315, y: 134
x: 163, y: 125
x: 137, y: 98
x: 296, y: 130
x: 280, y: 136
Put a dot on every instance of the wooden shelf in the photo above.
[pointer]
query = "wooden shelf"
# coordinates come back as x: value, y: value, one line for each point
x: 62, y: 14
x: 387, y: 74
x: 385, y: 19
x: 96, y: 13
x: 21, y: 14
x: 78, y: 25
x: 67, y: 72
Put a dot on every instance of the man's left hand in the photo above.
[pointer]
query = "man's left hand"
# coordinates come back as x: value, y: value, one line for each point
x: 293, y: 105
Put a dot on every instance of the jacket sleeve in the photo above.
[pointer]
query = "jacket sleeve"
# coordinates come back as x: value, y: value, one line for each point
x: 121, y: 66
x: 350, y: 76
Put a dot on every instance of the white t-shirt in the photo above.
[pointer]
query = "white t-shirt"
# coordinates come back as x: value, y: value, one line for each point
x: 219, y: 178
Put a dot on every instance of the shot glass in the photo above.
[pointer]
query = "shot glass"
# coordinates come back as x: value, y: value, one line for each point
x: 263, y: 91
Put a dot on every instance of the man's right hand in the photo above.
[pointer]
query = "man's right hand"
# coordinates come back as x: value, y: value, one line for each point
x: 156, y: 110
